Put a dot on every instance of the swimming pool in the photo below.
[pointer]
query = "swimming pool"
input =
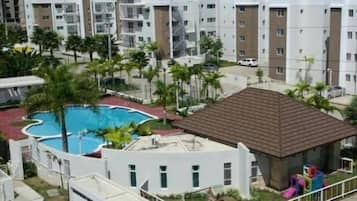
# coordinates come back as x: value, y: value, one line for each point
x: 80, y: 118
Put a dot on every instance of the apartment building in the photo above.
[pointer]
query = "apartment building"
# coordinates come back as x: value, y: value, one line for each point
x: 72, y: 17
x: 315, y: 41
x: 12, y: 11
x: 177, y: 25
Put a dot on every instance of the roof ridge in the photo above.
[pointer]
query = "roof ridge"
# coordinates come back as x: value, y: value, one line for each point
x: 279, y: 124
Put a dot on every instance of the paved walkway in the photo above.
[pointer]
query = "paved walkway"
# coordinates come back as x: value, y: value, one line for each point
x: 12, y: 131
x: 351, y: 198
x: 25, y: 193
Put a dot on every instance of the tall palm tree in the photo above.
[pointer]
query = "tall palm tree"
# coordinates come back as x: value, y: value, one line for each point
x: 211, y: 81
x: 302, y: 88
x: 38, y: 37
x: 149, y: 74
x: 74, y: 43
x: 196, y: 71
x: 89, y: 45
x: 129, y: 67
x: 165, y: 93
x: 95, y: 67
x: 61, y: 88
x: 112, y: 66
x: 139, y: 56
x: 152, y: 48
x: 51, y: 41
x: 350, y: 112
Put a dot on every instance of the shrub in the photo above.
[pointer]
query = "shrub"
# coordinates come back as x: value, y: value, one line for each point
x: 30, y: 170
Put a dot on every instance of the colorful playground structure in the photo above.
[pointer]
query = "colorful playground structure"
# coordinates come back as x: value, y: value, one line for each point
x: 311, y: 180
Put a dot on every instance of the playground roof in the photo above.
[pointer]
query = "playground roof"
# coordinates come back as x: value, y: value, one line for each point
x: 268, y: 122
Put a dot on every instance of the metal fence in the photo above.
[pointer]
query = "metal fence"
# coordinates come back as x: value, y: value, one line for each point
x: 331, y: 192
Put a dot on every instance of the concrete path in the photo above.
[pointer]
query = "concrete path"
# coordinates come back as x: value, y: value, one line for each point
x: 351, y: 198
x: 25, y: 193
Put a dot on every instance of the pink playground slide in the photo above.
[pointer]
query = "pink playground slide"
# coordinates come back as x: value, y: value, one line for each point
x: 289, y: 193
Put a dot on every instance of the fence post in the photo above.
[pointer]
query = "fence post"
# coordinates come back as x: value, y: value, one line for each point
x: 322, y: 195
x: 343, y: 189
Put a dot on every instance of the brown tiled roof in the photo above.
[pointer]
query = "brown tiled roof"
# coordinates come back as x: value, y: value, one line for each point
x: 268, y: 122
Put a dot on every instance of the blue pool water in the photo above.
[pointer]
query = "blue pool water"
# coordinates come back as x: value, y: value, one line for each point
x: 79, y: 118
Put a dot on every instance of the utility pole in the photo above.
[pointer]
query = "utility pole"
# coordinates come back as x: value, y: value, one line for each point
x: 109, y: 38
x: 165, y: 112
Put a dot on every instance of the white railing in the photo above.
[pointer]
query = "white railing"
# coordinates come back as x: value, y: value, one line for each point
x: 331, y: 192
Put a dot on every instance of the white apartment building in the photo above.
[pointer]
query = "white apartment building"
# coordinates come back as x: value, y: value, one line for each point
x: 177, y: 25
x: 72, y: 17
x: 300, y: 40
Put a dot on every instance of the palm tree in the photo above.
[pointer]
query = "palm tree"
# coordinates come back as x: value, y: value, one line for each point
x: 128, y: 67
x: 139, y: 57
x: 302, y: 88
x: 165, y: 93
x: 196, y: 71
x: 350, y: 112
x: 319, y: 87
x: 152, y: 47
x: 89, y: 45
x: 112, y: 66
x: 259, y: 73
x: 61, y: 88
x: 51, y: 41
x: 95, y: 68
x: 74, y: 43
x: 118, y: 136
x: 149, y: 74
x: 38, y: 37
x: 211, y: 81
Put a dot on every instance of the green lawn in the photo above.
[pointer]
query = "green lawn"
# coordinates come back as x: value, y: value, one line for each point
x: 41, y: 187
x: 339, y: 176
x: 224, y: 63
x: 264, y: 195
x: 157, y: 124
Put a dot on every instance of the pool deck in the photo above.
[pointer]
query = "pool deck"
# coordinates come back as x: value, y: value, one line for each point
x: 8, y: 116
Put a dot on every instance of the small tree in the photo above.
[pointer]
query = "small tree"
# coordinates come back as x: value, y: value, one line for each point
x: 74, y: 43
x: 260, y: 73
x: 38, y: 37
x: 51, y: 41
x: 149, y: 74
x: 102, y: 46
x: 139, y: 57
x: 89, y: 45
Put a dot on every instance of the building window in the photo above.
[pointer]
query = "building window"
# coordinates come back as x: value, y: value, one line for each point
x: 263, y: 36
x: 211, y: 6
x: 185, y: 8
x: 301, y: 11
x: 280, y: 13
x: 241, y: 9
x: 349, y: 35
x: 211, y: 19
x: 263, y: 50
x: 241, y: 23
x: 279, y: 32
x: 227, y: 173
x: 254, y: 170
x: 195, y: 176
x: 59, y: 17
x: 46, y: 17
x: 148, y: 24
x: 348, y: 77
x: 60, y: 28
x: 263, y: 7
x: 163, y: 176
x: 149, y: 39
x: 325, y: 11
x: 202, y: 19
x: 300, y: 51
x: 279, y: 70
x: 241, y: 38
x: 355, y: 57
x: 280, y: 51
x: 348, y: 56
x: 140, y: 38
x: 263, y: 22
x: 350, y: 12
x: 242, y: 53
x: 132, y: 172
x: 185, y: 22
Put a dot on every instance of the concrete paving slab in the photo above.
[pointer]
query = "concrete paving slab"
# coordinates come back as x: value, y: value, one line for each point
x: 25, y: 193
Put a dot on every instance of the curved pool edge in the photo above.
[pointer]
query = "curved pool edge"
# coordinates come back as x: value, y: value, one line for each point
x: 100, y: 146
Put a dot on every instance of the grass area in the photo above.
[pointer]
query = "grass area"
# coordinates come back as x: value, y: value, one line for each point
x: 264, y: 195
x: 22, y: 123
x: 41, y: 187
x: 224, y: 63
x: 339, y: 176
x: 156, y: 124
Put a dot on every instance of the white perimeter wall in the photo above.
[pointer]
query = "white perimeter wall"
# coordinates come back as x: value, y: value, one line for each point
x: 179, y: 169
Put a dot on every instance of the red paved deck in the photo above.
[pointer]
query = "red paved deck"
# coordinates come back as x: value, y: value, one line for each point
x: 7, y: 117
x: 156, y: 111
